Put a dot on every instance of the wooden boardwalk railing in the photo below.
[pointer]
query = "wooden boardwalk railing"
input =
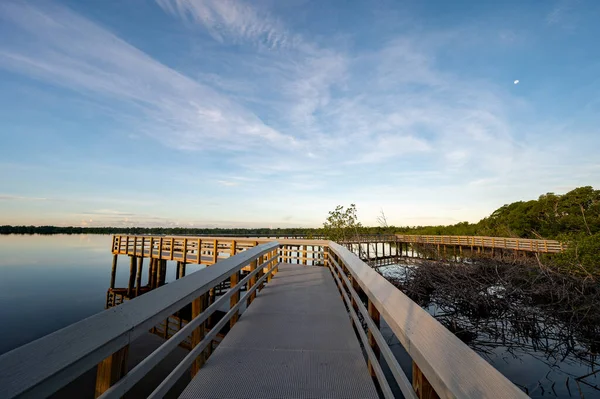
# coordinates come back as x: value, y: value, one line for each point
x: 515, y: 244
x: 443, y: 366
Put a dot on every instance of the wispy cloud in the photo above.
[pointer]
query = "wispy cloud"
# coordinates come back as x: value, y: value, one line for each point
x: 228, y: 183
x: 561, y: 13
x: 53, y: 44
x: 8, y: 197
x: 229, y: 19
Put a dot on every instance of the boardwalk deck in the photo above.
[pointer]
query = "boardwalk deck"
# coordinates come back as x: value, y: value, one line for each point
x: 295, y: 341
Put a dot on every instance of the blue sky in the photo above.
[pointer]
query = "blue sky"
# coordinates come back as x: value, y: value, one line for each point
x: 270, y: 113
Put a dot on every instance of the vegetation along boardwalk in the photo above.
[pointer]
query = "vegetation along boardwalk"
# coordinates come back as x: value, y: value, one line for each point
x: 265, y: 319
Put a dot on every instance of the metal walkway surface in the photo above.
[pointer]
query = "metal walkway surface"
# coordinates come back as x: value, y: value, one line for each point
x: 295, y: 341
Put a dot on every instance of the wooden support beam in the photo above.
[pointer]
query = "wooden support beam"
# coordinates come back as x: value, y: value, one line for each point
x: 422, y: 387
x: 374, y: 313
x: 182, y: 269
x: 111, y: 370
x: 113, y: 272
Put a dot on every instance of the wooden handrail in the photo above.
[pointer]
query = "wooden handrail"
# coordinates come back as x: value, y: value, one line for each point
x: 69, y: 352
x: 519, y: 244
x: 452, y: 368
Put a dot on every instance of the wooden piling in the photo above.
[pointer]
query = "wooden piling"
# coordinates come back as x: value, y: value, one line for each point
x: 132, y: 270
x: 113, y: 272
x: 138, y: 283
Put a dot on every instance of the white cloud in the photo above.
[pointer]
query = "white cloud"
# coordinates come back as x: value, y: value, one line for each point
x: 516, y: 82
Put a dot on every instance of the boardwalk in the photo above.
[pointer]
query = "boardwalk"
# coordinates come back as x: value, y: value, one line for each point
x: 302, y: 320
x: 295, y: 341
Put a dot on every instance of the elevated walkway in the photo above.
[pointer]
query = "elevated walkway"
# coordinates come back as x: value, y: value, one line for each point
x: 295, y: 341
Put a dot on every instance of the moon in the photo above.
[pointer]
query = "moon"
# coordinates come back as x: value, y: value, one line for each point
x: 516, y: 82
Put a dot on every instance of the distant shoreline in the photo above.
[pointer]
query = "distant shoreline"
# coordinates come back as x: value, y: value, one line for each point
x: 235, y: 232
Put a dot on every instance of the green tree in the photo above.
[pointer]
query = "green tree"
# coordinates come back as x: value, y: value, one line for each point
x: 342, y: 223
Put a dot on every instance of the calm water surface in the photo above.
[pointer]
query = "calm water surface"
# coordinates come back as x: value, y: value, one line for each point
x: 49, y: 282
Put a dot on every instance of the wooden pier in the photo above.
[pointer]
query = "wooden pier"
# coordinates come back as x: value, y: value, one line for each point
x: 266, y: 318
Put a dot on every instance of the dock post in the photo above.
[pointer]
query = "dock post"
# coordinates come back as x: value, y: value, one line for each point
x: 111, y: 370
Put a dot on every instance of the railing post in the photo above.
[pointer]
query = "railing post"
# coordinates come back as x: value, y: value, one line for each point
x: 198, y: 306
x: 233, y: 281
x: 111, y: 370
x: 422, y: 387
x: 304, y: 254
x: 261, y: 259
x: 215, y: 252
x: 271, y: 255
x: 185, y: 250
x: 374, y: 313
x: 251, y: 283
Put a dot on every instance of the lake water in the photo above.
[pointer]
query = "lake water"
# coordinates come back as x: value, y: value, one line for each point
x: 49, y: 282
